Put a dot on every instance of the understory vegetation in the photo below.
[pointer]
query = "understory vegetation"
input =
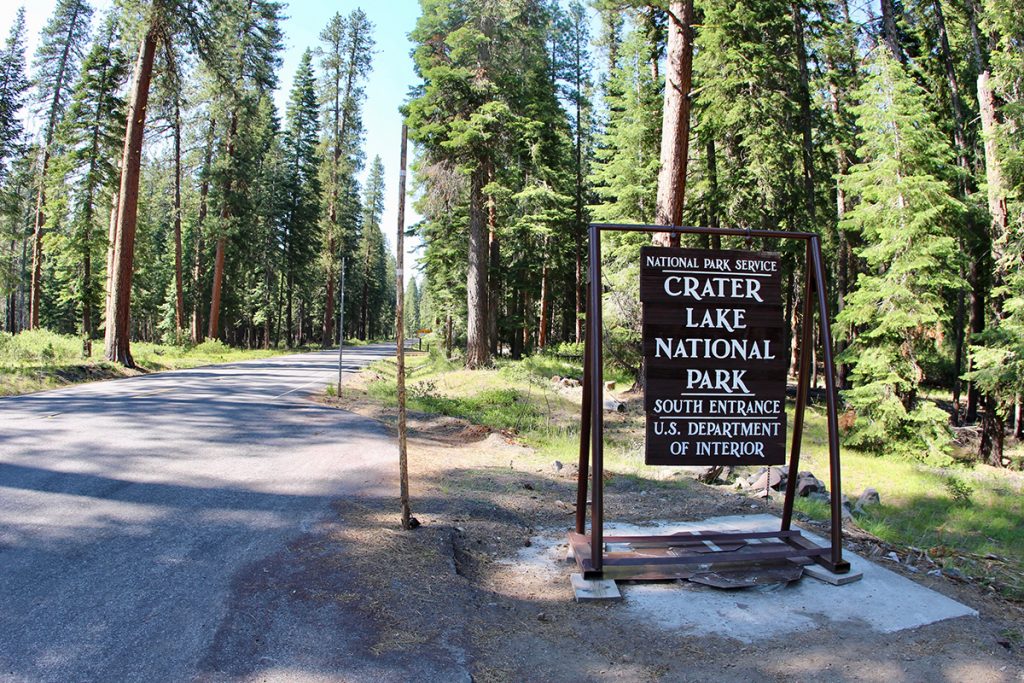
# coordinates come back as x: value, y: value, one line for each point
x: 966, y: 515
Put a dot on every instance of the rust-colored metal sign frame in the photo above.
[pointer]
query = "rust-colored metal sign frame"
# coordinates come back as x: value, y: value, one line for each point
x: 678, y: 556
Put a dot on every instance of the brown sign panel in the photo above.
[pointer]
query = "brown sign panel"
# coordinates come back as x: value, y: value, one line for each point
x: 714, y: 357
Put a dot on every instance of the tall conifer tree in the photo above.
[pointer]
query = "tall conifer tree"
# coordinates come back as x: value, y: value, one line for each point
x: 302, y: 188
x: 82, y: 178
x: 62, y: 45
x: 906, y: 208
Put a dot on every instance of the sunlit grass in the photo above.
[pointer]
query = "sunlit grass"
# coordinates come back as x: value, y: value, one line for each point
x: 38, y: 359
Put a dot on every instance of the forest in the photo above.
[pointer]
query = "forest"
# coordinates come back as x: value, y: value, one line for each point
x: 164, y: 197
x: 207, y: 216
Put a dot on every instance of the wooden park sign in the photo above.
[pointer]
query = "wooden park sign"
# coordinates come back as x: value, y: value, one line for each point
x: 714, y: 357
x: 715, y: 363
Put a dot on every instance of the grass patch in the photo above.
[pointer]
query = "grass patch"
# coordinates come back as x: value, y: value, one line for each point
x: 963, y: 514
x: 35, y: 360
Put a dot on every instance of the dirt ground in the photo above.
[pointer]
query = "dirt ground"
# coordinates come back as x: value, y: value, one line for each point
x: 449, y: 591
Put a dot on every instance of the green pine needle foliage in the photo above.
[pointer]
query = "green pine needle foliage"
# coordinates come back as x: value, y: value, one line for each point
x: 906, y: 217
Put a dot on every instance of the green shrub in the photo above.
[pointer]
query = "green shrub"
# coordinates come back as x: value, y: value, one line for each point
x: 39, y: 347
x: 212, y: 347
x: 959, y: 489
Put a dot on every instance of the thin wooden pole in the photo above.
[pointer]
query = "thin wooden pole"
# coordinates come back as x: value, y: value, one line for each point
x: 403, y: 458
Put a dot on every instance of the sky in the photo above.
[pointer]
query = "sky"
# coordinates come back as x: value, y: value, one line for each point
x: 386, y: 89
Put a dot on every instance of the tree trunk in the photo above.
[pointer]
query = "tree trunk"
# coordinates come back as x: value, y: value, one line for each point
x: 364, y: 304
x: 197, y: 258
x: 580, y: 228
x: 675, y: 131
x: 890, y: 37
x: 993, y: 174
x: 36, y: 288
x: 289, y: 328
x: 713, y: 218
x: 327, y: 332
x: 493, y: 269
x: 179, y: 294
x: 542, y: 327
x: 477, y: 347
x: 117, y: 341
x: 448, y: 324
x: 225, y: 215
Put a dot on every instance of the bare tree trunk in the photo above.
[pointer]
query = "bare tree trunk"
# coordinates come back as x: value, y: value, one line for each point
x: 179, y: 294
x: 477, y: 347
x: 119, y: 308
x: 542, y: 328
x: 890, y: 37
x: 993, y: 172
x: 197, y: 257
x: 675, y: 131
x: 225, y: 214
x: 448, y: 336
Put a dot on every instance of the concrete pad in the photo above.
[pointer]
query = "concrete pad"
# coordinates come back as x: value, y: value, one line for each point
x: 594, y: 589
x: 883, y: 600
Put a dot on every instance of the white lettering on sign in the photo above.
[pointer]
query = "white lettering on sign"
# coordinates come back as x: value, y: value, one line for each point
x: 728, y: 319
x: 720, y: 349
x: 714, y: 287
x: 729, y: 381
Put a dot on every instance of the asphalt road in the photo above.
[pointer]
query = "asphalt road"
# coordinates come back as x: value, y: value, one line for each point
x: 131, y: 509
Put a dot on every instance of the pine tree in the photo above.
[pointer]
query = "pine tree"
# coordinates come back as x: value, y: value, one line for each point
x: 368, y: 256
x: 246, y: 67
x: 61, y: 47
x: 576, y: 66
x: 302, y: 188
x: 997, y: 353
x: 346, y: 61
x: 82, y: 177
x: 169, y: 20
x: 907, y: 205
x: 412, y: 308
x: 625, y: 169
x: 457, y: 118
x: 13, y: 85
